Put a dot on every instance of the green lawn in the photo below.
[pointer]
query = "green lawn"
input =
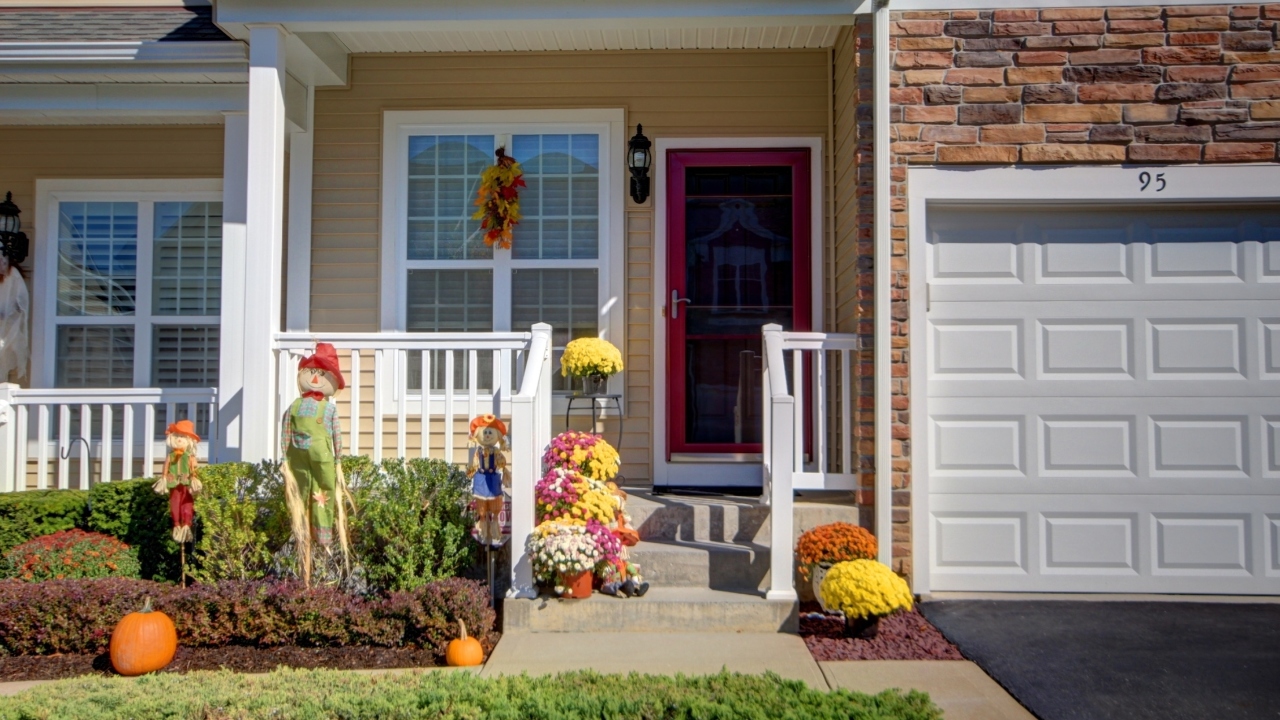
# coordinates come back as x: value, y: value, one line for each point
x: 354, y: 696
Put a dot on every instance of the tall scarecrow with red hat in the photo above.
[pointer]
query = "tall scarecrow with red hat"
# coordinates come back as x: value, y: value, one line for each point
x: 311, y: 445
x: 488, y: 472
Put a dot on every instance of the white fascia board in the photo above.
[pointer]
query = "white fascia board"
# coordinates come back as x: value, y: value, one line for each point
x: 168, y: 53
x: 123, y: 98
x: 1026, y: 4
x: 408, y: 15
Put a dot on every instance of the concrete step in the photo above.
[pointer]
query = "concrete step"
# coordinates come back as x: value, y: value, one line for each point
x: 663, y: 609
x: 728, y: 519
x: 720, y: 566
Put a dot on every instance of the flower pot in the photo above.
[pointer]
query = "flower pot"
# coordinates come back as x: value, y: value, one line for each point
x: 577, y: 585
x: 865, y: 628
x: 817, y: 572
x: 595, y: 384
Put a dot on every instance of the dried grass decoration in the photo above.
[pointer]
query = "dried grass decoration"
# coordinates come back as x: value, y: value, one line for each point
x: 498, y: 198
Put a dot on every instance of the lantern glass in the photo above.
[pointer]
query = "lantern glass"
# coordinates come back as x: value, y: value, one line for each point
x: 10, y: 223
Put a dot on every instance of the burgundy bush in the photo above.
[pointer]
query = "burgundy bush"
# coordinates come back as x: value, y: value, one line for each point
x: 77, y: 616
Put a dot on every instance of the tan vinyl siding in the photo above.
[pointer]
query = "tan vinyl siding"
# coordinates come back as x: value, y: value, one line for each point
x: 709, y: 93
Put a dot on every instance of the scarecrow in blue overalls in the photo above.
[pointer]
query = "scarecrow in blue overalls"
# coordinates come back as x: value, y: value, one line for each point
x: 488, y: 472
x: 311, y: 446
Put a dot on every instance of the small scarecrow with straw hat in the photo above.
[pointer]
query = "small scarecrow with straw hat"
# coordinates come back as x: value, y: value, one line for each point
x: 179, y: 480
x: 311, y: 445
x: 488, y: 473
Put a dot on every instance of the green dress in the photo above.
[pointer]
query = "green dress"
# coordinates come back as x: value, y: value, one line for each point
x: 311, y: 442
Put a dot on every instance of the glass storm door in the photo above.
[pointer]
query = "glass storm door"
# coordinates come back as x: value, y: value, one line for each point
x: 737, y: 259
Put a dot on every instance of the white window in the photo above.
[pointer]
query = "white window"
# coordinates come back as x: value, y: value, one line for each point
x: 440, y: 276
x: 128, y: 285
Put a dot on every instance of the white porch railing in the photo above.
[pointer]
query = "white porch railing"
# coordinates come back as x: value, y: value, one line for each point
x: 461, y: 375
x: 797, y: 440
x: 115, y: 427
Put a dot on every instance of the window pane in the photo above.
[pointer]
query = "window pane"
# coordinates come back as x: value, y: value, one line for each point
x: 184, y: 356
x: 450, y: 301
x: 567, y: 299
x: 444, y: 172
x: 98, y: 356
x: 561, y: 205
x: 187, y: 267
x: 97, y: 258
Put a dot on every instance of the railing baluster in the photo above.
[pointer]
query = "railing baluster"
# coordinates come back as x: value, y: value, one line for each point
x: 86, y: 453
x: 499, y: 380
x: 126, y: 446
x: 42, y: 447
x: 353, y: 447
x: 820, y: 407
x: 402, y: 400
x: 448, y: 405
x: 148, y: 440
x: 64, y: 429
x: 473, y: 382
x: 20, y: 475
x: 797, y: 392
x: 105, y: 453
x: 426, y: 403
x: 379, y: 367
x: 846, y: 413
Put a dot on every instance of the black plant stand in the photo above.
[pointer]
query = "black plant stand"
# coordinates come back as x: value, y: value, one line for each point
x: 597, y: 404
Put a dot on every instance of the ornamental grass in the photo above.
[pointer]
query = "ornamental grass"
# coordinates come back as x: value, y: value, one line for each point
x: 833, y: 543
x: 865, y: 588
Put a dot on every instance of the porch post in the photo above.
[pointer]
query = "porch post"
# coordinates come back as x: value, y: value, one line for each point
x: 235, y: 160
x: 264, y: 239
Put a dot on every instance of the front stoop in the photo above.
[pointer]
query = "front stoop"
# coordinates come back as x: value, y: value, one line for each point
x: 662, y: 609
x: 707, y: 560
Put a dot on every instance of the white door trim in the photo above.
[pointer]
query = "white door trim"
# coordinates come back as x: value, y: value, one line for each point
x: 1041, y: 186
x: 724, y: 474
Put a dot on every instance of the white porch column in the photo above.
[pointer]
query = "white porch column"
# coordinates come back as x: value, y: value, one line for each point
x: 264, y: 239
x: 301, y: 145
x: 235, y: 161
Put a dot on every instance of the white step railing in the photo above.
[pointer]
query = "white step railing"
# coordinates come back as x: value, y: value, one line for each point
x: 800, y: 399
x: 116, y: 427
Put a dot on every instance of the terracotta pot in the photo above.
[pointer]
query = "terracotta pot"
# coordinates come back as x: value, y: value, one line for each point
x: 817, y: 572
x: 577, y: 585
x: 865, y: 628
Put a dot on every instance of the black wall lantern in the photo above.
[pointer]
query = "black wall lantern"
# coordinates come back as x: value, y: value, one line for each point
x: 13, y: 242
x: 639, y: 158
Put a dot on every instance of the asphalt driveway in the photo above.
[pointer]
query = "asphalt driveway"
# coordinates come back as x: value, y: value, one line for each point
x: 1065, y: 660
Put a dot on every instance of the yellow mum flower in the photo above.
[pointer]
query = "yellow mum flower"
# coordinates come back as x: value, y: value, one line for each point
x: 865, y: 588
x: 590, y: 356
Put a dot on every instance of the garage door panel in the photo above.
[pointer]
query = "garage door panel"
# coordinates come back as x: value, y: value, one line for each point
x: 1093, y: 349
x: 1135, y: 543
x: 967, y: 348
x: 1202, y: 348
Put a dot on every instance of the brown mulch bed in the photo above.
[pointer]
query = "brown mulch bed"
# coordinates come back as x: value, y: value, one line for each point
x: 902, y: 636
x: 232, y: 657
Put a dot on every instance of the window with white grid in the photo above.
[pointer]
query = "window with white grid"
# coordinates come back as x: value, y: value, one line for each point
x: 449, y: 280
x: 138, y: 287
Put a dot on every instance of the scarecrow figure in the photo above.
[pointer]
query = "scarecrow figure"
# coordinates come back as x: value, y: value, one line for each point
x: 311, y: 445
x: 178, y: 478
x: 488, y: 473
x: 623, y: 578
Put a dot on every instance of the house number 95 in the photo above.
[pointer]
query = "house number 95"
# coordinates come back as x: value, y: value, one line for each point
x: 1145, y: 178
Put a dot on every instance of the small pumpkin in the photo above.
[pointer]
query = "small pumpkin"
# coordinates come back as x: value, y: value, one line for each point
x: 143, y: 642
x: 465, y: 651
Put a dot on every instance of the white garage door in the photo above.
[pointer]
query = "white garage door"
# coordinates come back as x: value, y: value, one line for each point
x: 1104, y: 399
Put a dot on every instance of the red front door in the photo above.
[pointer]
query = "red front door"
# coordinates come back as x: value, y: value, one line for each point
x: 738, y: 258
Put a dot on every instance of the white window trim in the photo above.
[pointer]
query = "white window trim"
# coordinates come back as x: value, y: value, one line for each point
x: 1063, y: 186
x: 666, y: 472
x: 609, y: 123
x: 45, y: 318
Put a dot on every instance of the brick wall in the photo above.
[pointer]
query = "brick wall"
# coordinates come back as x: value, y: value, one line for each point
x: 1178, y: 84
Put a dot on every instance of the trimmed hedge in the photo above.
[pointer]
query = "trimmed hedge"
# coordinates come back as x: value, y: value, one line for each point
x: 32, y: 513
x: 77, y: 616
x: 131, y: 511
x: 286, y: 694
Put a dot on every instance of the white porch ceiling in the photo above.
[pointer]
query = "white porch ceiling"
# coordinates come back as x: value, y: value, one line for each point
x: 696, y: 38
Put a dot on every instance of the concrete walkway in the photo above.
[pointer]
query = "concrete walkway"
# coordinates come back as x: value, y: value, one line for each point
x: 960, y: 688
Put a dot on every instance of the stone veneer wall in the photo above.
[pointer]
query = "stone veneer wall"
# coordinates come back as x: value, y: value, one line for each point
x: 1068, y: 86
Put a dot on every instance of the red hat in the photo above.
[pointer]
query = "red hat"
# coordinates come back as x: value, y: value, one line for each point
x: 183, y: 427
x: 325, y: 358
x: 488, y: 420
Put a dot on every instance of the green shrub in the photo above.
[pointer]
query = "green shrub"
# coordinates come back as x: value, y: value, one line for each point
x: 411, y: 524
x: 241, y: 520
x: 132, y: 511
x: 32, y: 513
x: 287, y: 694
x: 72, y: 554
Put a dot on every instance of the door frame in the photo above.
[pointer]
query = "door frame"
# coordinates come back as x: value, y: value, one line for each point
x: 1061, y: 186
x: 745, y: 471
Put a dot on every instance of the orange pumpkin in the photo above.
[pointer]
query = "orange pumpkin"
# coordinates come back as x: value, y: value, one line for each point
x: 465, y: 651
x: 143, y: 642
